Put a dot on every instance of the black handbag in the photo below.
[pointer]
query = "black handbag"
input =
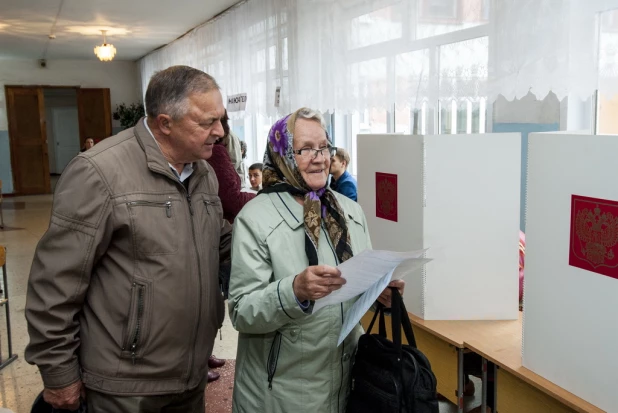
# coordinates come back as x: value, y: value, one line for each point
x: 388, y: 376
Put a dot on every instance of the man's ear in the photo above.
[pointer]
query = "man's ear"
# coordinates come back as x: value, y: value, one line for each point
x: 164, y: 123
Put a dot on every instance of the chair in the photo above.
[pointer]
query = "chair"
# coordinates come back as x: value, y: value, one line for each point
x: 1, y: 216
x: 4, y: 301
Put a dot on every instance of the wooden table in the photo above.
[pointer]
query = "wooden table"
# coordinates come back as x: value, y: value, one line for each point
x: 518, y: 389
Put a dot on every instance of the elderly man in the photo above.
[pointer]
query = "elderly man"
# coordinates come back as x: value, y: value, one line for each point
x: 342, y: 182
x: 123, y: 302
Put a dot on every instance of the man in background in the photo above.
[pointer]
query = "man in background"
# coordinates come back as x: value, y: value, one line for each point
x: 342, y: 182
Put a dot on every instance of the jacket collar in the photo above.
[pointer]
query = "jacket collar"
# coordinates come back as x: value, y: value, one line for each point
x: 290, y: 210
x: 154, y: 157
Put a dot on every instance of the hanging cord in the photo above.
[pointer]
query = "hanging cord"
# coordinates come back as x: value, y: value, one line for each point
x: 52, y: 34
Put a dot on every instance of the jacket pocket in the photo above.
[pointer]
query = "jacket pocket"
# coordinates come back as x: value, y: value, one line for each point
x: 153, y: 224
x: 213, y: 206
x: 138, y: 320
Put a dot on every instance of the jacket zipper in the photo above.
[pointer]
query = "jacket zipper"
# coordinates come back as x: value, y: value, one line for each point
x: 199, y: 281
x: 208, y: 204
x: 138, y: 323
x: 342, y: 319
x: 167, y: 205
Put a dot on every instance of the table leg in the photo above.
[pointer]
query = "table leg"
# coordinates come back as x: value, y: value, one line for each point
x: 484, y: 393
x: 495, y: 388
x: 460, y: 380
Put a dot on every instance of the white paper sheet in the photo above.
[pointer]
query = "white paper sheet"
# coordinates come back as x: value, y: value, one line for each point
x: 360, y: 307
x: 362, y: 271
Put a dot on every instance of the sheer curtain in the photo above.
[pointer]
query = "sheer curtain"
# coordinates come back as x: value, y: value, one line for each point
x: 550, y: 45
x: 385, y: 61
x: 345, y: 56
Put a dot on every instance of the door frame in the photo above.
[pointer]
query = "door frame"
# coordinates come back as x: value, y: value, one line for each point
x: 11, y: 140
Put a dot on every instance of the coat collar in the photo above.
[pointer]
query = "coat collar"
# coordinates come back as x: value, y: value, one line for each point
x: 154, y: 157
x: 290, y: 210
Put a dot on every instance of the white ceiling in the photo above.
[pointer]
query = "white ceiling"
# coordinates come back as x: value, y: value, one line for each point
x: 135, y: 27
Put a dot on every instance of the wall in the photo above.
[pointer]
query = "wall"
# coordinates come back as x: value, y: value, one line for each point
x: 120, y: 76
x: 526, y: 115
x: 56, y: 98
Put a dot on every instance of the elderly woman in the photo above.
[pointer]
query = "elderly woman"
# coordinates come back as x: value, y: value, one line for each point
x: 286, y: 245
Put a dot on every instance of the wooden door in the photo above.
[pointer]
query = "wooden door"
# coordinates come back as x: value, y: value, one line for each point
x: 28, y: 140
x: 95, y: 114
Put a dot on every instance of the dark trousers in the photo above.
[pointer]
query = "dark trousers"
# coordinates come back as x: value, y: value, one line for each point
x: 473, y: 364
x: 191, y: 401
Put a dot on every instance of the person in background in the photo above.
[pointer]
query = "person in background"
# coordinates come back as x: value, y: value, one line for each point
x: 342, y: 182
x: 122, y: 304
x: 255, y: 176
x: 243, y: 151
x: 232, y: 201
x: 232, y: 198
x: 233, y: 145
x: 89, y: 143
x: 287, y: 243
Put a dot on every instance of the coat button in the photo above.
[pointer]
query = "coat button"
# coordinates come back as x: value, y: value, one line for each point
x: 346, y: 356
x: 294, y: 333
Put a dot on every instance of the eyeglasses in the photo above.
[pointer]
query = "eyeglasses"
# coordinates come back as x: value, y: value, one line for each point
x: 310, y: 153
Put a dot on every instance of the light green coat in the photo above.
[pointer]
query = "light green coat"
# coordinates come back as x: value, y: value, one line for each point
x: 268, y: 250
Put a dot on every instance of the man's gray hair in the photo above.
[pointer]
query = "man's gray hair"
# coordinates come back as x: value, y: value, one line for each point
x: 310, y: 114
x: 169, y: 89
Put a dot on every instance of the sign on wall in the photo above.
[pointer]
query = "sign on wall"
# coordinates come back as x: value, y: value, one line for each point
x: 386, y: 196
x: 237, y: 103
x: 594, y: 235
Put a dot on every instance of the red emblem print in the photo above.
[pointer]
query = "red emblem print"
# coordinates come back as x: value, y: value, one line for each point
x: 386, y: 196
x: 594, y: 235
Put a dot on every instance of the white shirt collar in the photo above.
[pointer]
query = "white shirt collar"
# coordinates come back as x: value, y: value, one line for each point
x: 188, y: 168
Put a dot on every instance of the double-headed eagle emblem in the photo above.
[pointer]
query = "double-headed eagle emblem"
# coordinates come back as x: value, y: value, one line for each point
x: 597, y: 232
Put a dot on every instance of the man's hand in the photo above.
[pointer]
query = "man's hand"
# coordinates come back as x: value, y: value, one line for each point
x: 65, y: 398
x: 316, y: 282
x: 385, y: 297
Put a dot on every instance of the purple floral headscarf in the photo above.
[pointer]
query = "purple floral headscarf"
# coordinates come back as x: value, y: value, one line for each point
x: 281, y: 174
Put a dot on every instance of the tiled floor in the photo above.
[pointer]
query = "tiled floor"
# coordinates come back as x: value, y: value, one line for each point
x: 28, y: 218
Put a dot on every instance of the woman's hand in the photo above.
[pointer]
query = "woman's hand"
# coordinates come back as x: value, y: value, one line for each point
x: 316, y: 282
x: 385, y: 297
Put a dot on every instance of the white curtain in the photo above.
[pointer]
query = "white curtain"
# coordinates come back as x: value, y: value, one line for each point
x: 351, y: 56
x: 345, y: 56
x: 552, y: 45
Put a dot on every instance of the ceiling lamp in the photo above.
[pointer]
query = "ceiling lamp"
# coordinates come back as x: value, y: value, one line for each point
x: 105, y: 52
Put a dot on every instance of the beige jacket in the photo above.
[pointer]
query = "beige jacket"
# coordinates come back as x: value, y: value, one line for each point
x: 123, y: 290
x: 234, y: 149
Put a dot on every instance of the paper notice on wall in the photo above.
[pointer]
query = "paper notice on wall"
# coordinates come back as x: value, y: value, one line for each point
x: 237, y: 103
x: 277, y: 96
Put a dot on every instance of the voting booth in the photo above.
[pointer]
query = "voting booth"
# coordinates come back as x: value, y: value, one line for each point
x: 458, y: 196
x: 571, y: 285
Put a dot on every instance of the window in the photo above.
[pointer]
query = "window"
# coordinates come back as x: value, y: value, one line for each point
x: 376, y: 27
x: 437, y: 17
x: 607, y: 99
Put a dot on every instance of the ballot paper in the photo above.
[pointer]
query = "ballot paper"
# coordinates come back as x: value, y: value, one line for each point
x: 362, y: 271
x: 360, y: 307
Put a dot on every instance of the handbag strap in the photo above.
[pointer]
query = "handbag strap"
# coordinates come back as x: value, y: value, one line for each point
x: 403, y: 319
x: 379, y: 311
x: 396, y: 320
